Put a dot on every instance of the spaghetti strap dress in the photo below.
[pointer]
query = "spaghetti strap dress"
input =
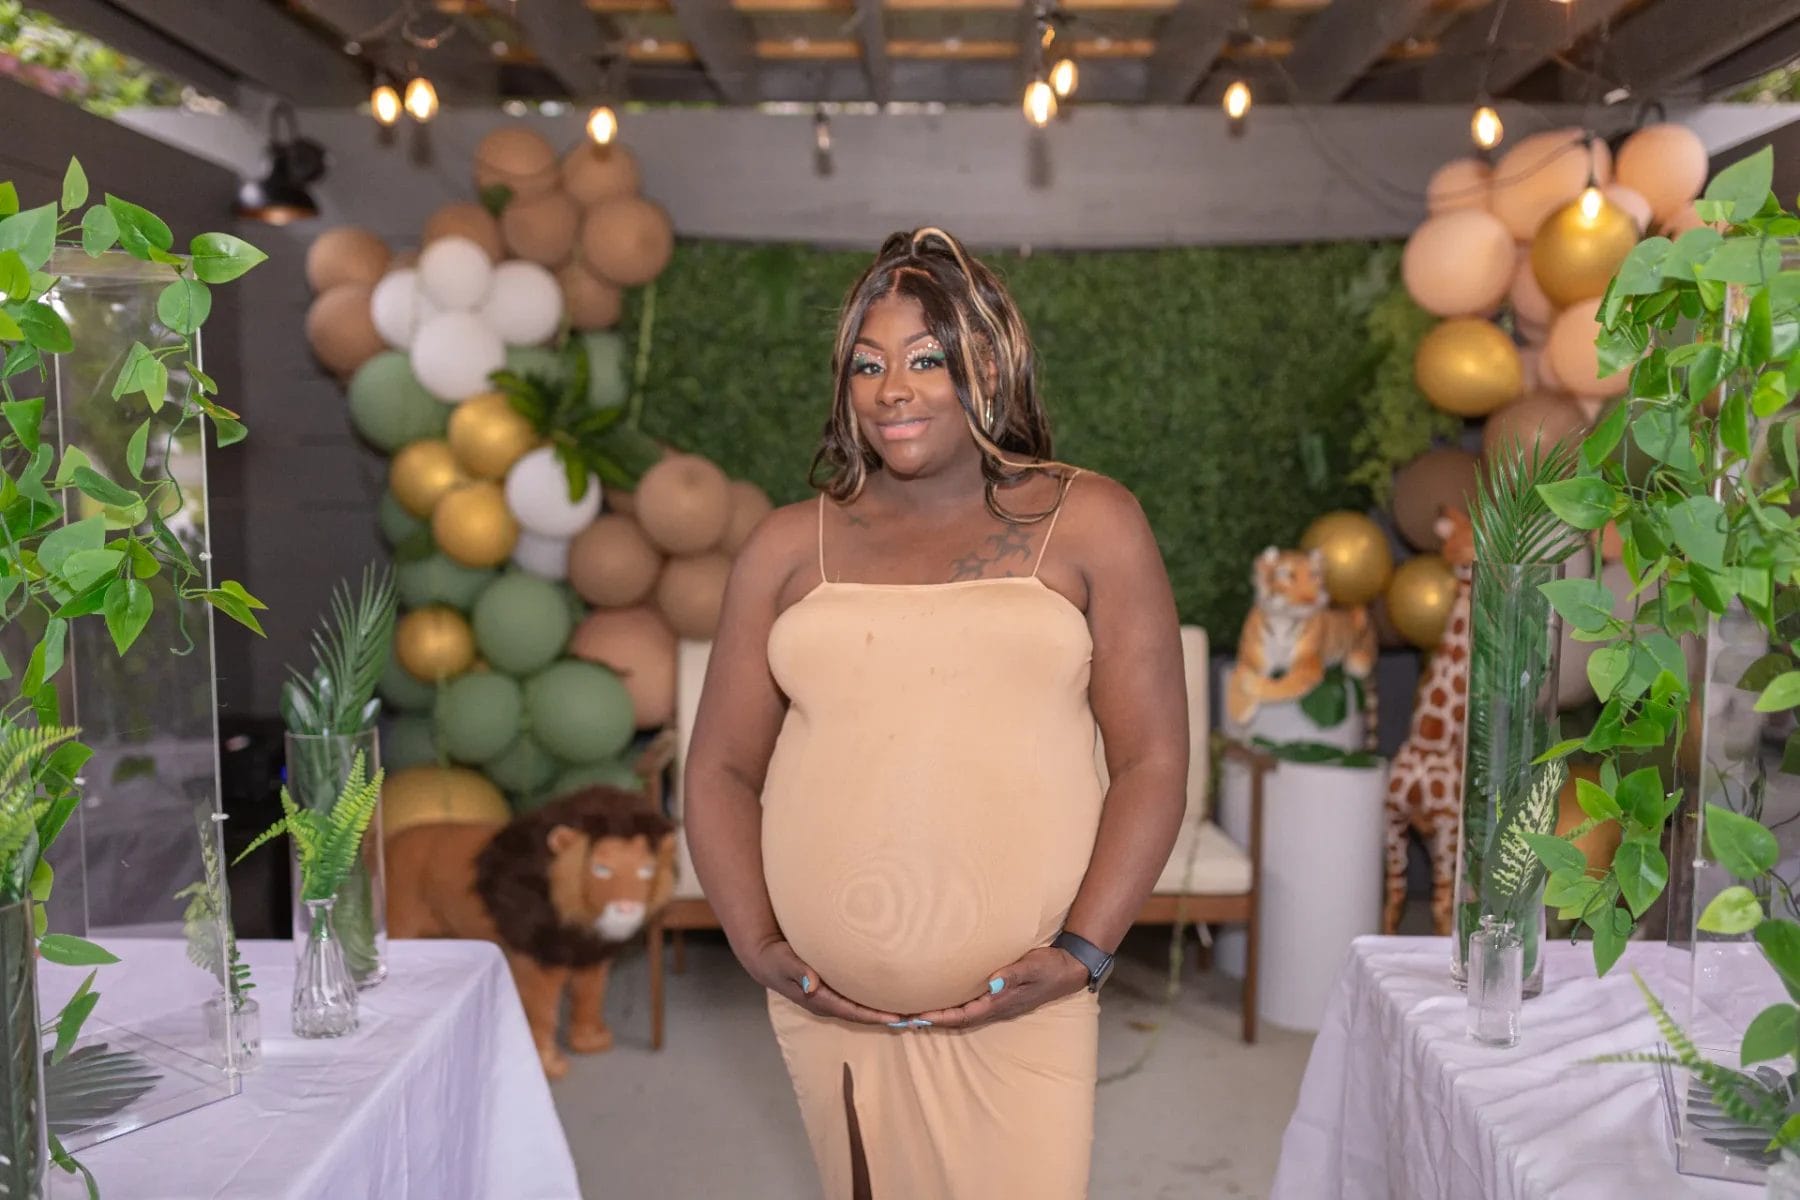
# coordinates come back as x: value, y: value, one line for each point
x: 928, y: 815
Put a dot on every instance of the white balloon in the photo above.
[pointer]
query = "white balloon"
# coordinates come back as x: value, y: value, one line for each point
x: 547, y: 558
x: 455, y: 273
x: 454, y: 353
x: 398, y: 307
x: 537, y: 491
x: 524, y: 305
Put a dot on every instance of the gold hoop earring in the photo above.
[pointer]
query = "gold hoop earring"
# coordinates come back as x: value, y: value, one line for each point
x: 987, y: 417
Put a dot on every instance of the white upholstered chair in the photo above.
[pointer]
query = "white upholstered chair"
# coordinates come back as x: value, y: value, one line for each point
x: 1208, y: 878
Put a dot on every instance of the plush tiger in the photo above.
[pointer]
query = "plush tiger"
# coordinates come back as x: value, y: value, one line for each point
x: 1293, y: 636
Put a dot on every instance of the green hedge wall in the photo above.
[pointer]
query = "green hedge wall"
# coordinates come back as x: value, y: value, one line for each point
x: 1227, y: 387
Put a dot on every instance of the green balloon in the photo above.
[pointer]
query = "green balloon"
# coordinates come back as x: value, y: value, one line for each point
x: 578, y: 608
x: 607, y: 387
x: 521, y: 623
x: 397, y: 525
x: 525, y: 767
x: 402, y: 692
x: 579, y: 711
x: 614, y: 772
x: 479, y: 715
x: 534, y: 360
x: 390, y: 408
x: 440, y: 579
x: 408, y: 741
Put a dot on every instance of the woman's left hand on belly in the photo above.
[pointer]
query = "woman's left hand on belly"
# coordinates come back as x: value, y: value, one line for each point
x: 1043, y: 975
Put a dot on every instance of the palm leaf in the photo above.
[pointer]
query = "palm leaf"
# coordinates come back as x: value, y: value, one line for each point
x: 93, y: 1084
x: 350, y: 650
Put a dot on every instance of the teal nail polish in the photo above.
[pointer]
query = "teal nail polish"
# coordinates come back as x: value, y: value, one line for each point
x: 921, y: 1023
x: 994, y: 985
x: 806, y: 983
x: 899, y: 1024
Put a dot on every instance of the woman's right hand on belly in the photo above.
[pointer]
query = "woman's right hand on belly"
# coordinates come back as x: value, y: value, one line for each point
x: 775, y: 965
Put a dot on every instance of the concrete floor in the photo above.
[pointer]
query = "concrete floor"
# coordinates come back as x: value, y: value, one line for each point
x: 711, y: 1116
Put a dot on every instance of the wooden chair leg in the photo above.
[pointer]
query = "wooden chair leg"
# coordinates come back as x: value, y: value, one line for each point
x: 656, y: 986
x: 1250, y: 965
x: 679, y: 937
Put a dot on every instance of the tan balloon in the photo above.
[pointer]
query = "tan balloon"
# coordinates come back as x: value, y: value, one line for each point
x: 627, y: 241
x: 1612, y: 545
x: 749, y: 505
x: 345, y: 255
x: 434, y: 644
x: 422, y: 473
x: 542, y: 228
x: 473, y: 525
x: 428, y: 795
x: 1666, y: 164
x: 638, y: 645
x: 489, y: 435
x: 517, y: 158
x: 684, y: 504
x: 1419, y: 598
x: 1441, y: 477
x: 593, y: 173
x: 1542, y: 173
x: 1468, y: 367
x: 1572, y: 355
x: 1358, y: 560
x: 1575, y: 254
x: 691, y: 592
x: 467, y: 219
x: 1458, y: 184
x: 340, y: 328
x: 1633, y: 202
x: 589, y: 301
x: 1459, y: 264
x: 621, y: 501
x: 1539, y: 420
x: 1529, y: 305
x: 611, y: 563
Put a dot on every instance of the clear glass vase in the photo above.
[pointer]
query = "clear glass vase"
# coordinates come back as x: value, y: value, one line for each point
x: 24, y: 1130
x: 324, y: 990
x: 1496, y: 983
x: 240, y: 1022
x: 317, y: 766
x: 1783, y: 1180
x: 1512, y: 719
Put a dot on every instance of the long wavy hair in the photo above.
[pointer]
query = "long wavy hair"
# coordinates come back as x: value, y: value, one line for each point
x: 988, y: 351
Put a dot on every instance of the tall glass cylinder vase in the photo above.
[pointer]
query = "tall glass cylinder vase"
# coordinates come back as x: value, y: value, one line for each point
x: 24, y: 1127
x: 317, y: 766
x: 1512, y: 719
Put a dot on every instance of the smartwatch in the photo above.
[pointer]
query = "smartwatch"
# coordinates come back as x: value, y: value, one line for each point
x: 1098, y: 962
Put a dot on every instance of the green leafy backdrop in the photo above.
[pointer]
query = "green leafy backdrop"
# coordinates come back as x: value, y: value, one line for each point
x: 1239, y: 392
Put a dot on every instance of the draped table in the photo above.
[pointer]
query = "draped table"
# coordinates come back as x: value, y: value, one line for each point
x: 1398, y: 1103
x: 438, y: 1095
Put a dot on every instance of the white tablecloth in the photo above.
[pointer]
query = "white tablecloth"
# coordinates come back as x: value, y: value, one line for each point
x: 438, y: 1095
x: 1397, y: 1103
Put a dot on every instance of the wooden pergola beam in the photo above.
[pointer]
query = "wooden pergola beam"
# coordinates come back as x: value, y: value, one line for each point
x: 721, y: 37
x: 566, y: 37
x: 1192, y: 36
x: 128, y: 35
x: 261, y: 45
x: 1530, y: 34
x: 872, y: 35
x: 1341, y: 43
x: 1672, y: 41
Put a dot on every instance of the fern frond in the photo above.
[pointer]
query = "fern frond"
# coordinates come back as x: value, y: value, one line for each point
x: 266, y: 836
x: 341, y: 838
x: 1739, y: 1096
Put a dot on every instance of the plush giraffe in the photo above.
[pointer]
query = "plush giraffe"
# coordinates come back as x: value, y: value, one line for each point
x: 1425, y: 781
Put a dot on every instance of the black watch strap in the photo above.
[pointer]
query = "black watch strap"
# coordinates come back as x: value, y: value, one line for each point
x: 1097, y: 961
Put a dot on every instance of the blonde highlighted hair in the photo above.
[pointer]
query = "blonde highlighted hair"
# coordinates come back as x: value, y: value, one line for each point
x: 987, y: 350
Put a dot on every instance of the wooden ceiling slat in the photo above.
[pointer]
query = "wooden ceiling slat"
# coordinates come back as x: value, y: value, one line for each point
x: 1672, y: 41
x: 1192, y: 36
x: 872, y: 31
x: 1529, y: 35
x: 721, y: 39
x: 1344, y: 41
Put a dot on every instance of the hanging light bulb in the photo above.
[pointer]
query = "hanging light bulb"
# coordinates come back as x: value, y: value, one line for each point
x: 1238, y: 100
x: 1485, y: 127
x: 1064, y: 77
x: 384, y: 102
x: 603, y: 125
x: 1591, y: 201
x: 821, y: 130
x: 421, y: 99
x: 1040, y: 103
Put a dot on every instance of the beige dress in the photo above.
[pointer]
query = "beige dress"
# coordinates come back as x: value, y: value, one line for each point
x: 929, y: 812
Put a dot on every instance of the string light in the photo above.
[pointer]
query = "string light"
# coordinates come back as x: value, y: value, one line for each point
x: 1238, y: 100
x: 1063, y: 77
x: 421, y: 99
x: 602, y: 125
x: 1485, y: 127
x: 1040, y: 103
x: 384, y: 102
x: 1591, y: 200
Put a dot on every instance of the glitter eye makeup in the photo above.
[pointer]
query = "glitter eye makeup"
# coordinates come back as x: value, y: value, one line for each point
x: 928, y: 359
x: 864, y: 363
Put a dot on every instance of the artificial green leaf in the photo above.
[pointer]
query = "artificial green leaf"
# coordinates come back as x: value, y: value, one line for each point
x: 1642, y: 271
x: 235, y: 590
x: 143, y: 563
x: 15, y: 276
x: 1790, y: 754
x: 1744, y: 185
x: 73, y: 951
x: 86, y: 566
x: 1612, y: 927
x: 128, y: 605
x: 87, y: 602
x: 1561, y: 750
x: 1583, y: 502
x: 234, y: 608
x: 184, y: 305
x: 1734, y: 424
x: 221, y: 258
x: 137, y: 448
x: 1713, y: 591
x: 32, y: 233
x: 1642, y: 872
x: 1780, y: 942
x: 98, y: 486
x: 9, y: 328
x: 1596, y: 801
x: 1605, y: 436
x: 1640, y: 796
x: 1781, y: 694
x: 43, y: 327
x: 1618, y: 348
x: 1739, y: 844
x: 73, y: 538
x: 1698, y: 526
x: 1733, y: 911
x: 1740, y: 260
x: 140, y: 230
x: 99, y: 231
x: 1556, y: 854
x: 1665, y: 651
x: 201, y: 379
x: 9, y: 198
x: 143, y: 372
x: 1772, y: 1034
x: 1586, y: 604
x: 1689, y: 249
x: 1770, y: 395
x: 26, y: 418
x: 1664, y: 436
x: 228, y: 431
x: 1569, y: 889
x: 1606, y: 669
x: 75, y: 186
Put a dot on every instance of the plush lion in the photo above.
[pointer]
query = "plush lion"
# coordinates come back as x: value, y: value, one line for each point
x: 561, y: 890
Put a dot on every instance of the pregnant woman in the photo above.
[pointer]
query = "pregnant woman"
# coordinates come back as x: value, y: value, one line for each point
x: 891, y: 797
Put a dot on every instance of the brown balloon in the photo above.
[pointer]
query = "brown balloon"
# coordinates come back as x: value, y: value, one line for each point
x: 1579, y: 248
x: 691, y: 592
x: 1598, y: 844
x: 589, y: 301
x: 749, y: 505
x: 428, y: 795
x: 345, y: 255
x: 638, y: 646
x: 621, y: 501
x: 422, y: 472
x: 593, y: 173
x: 341, y: 330
x: 489, y: 435
x: 1358, y: 560
x: 434, y: 644
x: 516, y: 158
x: 466, y: 219
x: 1439, y: 478
x: 1419, y: 598
x: 684, y: 504
x: 1543, y: 420
x: 473, y: 525
x: 612, y: 564
x: 542, y: 228
x: 627, y: 241
x: 1468, y: 367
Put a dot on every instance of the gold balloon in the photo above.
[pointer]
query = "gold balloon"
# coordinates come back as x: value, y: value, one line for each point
x: 1468, y: 367
x: 473, y: 525
x: 1419, y: 599
x: 489, y: 435
x: 1357, y: 558
x: 434, y: 644
x: 422, y: 473
x: 428, y: 795
x: 1579, y: 248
